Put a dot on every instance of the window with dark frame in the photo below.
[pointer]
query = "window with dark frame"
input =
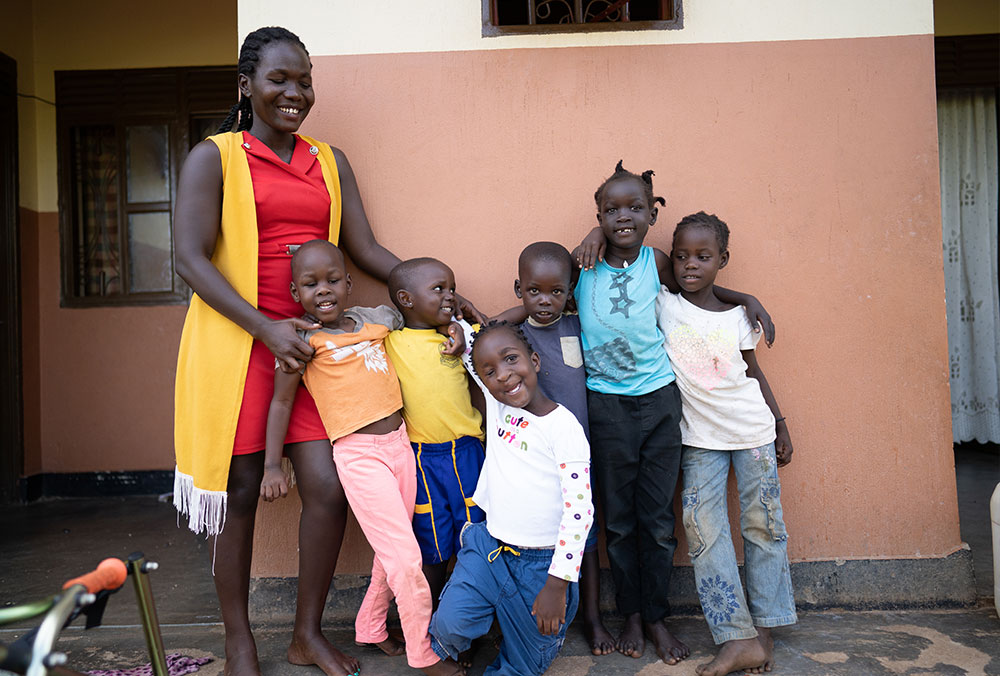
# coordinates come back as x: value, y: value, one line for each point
x: 511, y: 17
x: 122, y: 136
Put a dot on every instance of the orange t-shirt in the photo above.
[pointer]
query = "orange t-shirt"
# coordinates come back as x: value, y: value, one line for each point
x: 350, y: 375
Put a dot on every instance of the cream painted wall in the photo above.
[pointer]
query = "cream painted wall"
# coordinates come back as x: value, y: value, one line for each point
x: 966, y: 17
x: 336, y: 27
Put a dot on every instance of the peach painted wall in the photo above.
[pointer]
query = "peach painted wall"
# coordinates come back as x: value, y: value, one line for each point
x: 822, y: 157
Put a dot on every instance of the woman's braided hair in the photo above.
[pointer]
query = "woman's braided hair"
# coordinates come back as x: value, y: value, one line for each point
x: 646, y: 179
x: 250, y: 53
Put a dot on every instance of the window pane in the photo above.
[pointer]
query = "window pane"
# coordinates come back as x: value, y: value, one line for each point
x: 203, y: 127
x: 95, y: 242
x: 148, y: 163
x: 149, y: 252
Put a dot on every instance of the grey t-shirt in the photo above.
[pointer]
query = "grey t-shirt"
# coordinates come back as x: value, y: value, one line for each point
x: 562, y: 377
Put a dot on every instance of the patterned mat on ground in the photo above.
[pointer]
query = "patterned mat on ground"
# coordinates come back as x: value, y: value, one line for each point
x: 177, y: 665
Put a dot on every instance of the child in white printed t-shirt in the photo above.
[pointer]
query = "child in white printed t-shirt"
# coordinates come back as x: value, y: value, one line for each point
x: 535, y: 490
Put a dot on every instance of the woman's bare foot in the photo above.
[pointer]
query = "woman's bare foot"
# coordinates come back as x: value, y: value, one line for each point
x: 668, y: 648
x: 392, y: 646
x: 737, y: 655
x: 241, y: 656
x: 631, y: 642
x: 766, y: 642
x: 447, y: 667
x: 315, y: 649
x: 599, y: 639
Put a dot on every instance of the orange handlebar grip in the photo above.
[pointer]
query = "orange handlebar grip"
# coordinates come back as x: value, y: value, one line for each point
x: 109, y: 574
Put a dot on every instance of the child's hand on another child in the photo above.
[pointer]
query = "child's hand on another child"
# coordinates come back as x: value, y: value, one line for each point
x: 760, y: 319
x: 468, y: 311
x: 549, y: 607
x: 590, y: 250
x: 782, y: 444
x: 274, y: 485
x: 455, y: 345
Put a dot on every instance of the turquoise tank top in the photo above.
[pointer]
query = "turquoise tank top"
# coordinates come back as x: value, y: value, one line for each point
x: 623, y: 348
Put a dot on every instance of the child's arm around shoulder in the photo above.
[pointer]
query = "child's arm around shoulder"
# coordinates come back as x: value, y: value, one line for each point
x: 782, y: 441
x: 274, y: 484
x: 755, y: 311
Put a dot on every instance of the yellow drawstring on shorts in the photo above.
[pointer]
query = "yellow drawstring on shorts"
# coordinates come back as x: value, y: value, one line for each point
x: 502, y: 548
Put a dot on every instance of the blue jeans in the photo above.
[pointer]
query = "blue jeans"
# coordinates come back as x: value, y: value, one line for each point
x: 490, y: 579
x: 706, y: 521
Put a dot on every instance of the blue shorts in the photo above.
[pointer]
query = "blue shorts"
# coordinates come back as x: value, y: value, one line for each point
x: 447, y: 475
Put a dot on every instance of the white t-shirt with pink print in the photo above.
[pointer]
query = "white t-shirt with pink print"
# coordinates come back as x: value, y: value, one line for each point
x: 722, y: 408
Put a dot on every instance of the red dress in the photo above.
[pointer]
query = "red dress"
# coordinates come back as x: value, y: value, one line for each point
x: 293, y: 206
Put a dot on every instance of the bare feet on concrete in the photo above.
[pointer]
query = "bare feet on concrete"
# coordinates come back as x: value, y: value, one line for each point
x: 735, y: 655
x: 315, y: 649
x: 668, y: 648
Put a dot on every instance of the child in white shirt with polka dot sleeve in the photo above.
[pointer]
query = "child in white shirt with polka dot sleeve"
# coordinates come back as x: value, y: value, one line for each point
x: 521, y: 564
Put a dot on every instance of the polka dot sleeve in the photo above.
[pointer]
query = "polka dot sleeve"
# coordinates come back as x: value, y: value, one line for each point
x: 577, y: 518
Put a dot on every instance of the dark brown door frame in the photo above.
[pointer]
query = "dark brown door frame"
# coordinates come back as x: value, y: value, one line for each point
x: 11, y: 405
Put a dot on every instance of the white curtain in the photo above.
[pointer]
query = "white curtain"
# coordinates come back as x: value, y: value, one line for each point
x: 967, y: 136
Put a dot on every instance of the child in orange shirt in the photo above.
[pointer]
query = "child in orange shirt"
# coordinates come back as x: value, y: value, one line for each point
x: 357, y: 394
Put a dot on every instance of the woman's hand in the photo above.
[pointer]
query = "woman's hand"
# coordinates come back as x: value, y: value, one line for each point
x: 591, y: 249
x: 290, y: 351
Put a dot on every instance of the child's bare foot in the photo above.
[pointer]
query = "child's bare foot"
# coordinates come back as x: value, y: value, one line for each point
x: 444, y: 668
x: 737, y: 655
x: 668, y: 648
x: 599, y: 639
x: 241, y: 656
x: 392, y: 646
x: 767, y: 642
x: 315, y: 649
x: 631, y: 642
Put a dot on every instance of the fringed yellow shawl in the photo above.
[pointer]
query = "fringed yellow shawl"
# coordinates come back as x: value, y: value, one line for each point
x: 215, y: 352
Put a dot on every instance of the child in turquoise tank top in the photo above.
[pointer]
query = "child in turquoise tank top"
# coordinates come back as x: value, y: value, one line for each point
x: 633, y: 403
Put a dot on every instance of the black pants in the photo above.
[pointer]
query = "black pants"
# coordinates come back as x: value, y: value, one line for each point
x: 636, y: 453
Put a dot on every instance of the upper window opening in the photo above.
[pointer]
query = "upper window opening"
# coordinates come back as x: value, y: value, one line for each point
x: 506, y: 17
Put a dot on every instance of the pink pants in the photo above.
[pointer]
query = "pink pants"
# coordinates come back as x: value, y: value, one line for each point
x: 379, y: 475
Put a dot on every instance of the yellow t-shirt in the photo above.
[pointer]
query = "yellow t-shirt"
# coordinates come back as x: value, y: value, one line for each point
x: 437, y: 407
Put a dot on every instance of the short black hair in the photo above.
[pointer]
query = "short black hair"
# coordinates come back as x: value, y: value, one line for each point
x: 546, y: 251
x: 494, y: 325
x: 253, y: 45
x: 646, y: 179
x: 317, y: 243
x: 709, y: 222
x: 402, y: 275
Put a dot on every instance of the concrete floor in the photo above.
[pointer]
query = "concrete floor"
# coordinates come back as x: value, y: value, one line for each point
x: 977, y: 470
x: 49, y: 541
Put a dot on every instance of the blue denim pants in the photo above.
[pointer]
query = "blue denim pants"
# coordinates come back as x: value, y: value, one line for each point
x: 769, y: 601
x: 490, y: 579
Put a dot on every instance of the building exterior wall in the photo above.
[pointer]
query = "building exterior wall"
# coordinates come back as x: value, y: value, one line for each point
x: 809, y: 127
x: 95, y: 397
x: 813, y: 136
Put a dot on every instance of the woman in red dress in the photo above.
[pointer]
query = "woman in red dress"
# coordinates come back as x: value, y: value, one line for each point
x: 300, y: 190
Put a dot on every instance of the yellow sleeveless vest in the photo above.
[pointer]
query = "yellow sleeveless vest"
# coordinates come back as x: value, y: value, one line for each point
x: 215, y: 352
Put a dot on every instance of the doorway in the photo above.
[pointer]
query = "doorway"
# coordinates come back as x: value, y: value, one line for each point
x: 11, y: 418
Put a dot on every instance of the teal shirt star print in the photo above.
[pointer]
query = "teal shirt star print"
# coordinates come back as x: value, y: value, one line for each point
x: 622, y: 345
